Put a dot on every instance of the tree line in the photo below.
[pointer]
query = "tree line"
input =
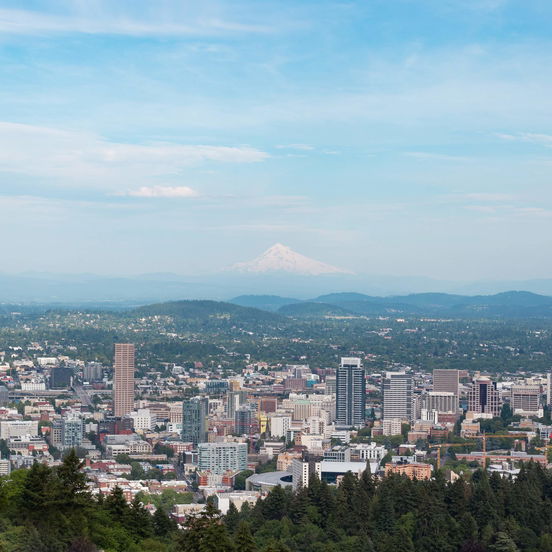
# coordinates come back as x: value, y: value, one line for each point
x: 46, y: 509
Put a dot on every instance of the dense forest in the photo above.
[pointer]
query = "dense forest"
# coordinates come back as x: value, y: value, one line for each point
x: 50, y: 510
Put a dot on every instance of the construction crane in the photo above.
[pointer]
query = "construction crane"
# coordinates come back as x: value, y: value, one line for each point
x: 446, y: 445
x: 483, y: 437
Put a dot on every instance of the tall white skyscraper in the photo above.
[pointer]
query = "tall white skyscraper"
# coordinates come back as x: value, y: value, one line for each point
x: 397, y: 396
x: 350, y: 393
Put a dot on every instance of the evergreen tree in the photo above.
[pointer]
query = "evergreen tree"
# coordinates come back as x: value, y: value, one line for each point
x: 401, y: 541
x: 72, y: 477
x: 139, y: 521
x: 215, y: 538
x: 276, y: 546
x: 275, y: 505
x: 299, y: 506
x: 503, y: 543
x: 244, y: 541
x: 232, y: 518
x: 162, y: 523
x: 116, y: 505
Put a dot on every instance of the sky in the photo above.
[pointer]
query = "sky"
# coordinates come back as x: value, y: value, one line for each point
x: 401, y: 137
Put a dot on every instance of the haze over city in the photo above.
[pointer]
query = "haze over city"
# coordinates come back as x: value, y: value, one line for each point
x: 392, y: 138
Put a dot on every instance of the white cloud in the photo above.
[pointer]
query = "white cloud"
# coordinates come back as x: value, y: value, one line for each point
x: 299, y: 147
x: 489, y: 197
x: 109, y: 22
x: 435, y: 156
x: 163, y: 191
x: 532, y: 137
x: 85, y: 159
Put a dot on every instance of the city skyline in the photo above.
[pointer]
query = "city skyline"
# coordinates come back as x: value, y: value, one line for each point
x: 386, y: 138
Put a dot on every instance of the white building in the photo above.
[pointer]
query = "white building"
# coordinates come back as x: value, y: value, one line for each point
x: 18, y: 428
x: 372, y: 451
x: 525, y: 400
x: 316, y: 425
x: 391, y: 426
x: 33, y: 386
x: 142, y: 419
x: 279, y: 425
x: 5, y: 467
x: 221, y: 457
x: 237, y: 498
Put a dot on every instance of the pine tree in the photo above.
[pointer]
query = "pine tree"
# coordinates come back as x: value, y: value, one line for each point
x: 401, y: 541
x: 467, y: 527
x: 244, y: 541
x: 232, y: 518
x: 456, y: 497
x: 366, y: 482
x: 275, y: 504
x: 299, y: 506
x: 215, y: 538
x: 503, y: 543
x: 162, y: 523
x: 71, y: 475
x: 139, y: 521
x: 276, y: 546
x: 116, y: 505
x: 345, y: 502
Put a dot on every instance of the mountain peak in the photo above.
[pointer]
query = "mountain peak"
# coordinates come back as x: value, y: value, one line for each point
x: 281, y: 258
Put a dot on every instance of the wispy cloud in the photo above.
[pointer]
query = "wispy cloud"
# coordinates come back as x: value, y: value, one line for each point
x: 491, y: 197
x: 299, y: 147
x: 31, y: 22
x: 435, y: 156
x: 163, y: 192
x: 74, y: 158
x: 532, y: 137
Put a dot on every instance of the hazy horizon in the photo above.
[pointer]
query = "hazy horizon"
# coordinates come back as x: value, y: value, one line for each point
x: 385, y: 138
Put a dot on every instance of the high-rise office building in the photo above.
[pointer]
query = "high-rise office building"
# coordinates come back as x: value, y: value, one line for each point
x: 61, y: 377
x: 123, y: 379
x: 4, y: 395
x: 220, y: 457
x: 350, y: 393
x: 93, y: 371
x: 526, y: 400
x: 445, y: 380
x: 234, y: 399
x: 245, y: 421
x: 194, y: 420
x: 71, y: 432
x: 397, y: 396
x: 484, y: 399
x: 441, y: 401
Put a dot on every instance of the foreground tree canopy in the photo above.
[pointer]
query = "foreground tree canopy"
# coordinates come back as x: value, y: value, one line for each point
x: 50, y: 510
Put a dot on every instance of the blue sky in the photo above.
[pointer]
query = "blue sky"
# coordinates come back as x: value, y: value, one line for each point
x: 407, y: 137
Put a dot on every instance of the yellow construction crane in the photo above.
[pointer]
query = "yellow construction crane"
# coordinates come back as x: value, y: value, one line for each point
x: 439, y: 446
x: 483, y: 437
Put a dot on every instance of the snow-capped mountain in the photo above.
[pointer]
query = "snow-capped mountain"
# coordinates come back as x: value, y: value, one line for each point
x: 280, y: 258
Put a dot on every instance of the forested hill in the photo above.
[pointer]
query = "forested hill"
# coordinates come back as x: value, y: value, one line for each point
x: 204, y: 311
x: 511, y: 304
x: 50, y: 510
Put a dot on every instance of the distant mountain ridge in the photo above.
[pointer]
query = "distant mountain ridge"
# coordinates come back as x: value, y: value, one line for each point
x: 514, y: 304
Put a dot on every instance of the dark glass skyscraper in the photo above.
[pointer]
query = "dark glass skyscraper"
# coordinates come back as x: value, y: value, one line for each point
x: 194, y: 420
x: 350, y: 393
